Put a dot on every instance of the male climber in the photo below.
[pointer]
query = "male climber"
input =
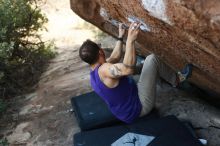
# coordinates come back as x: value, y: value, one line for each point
x: 109, y: 78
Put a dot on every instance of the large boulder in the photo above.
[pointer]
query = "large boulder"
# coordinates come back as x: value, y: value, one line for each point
x: 179, y: 31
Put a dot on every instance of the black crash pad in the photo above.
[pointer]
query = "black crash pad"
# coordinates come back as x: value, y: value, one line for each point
x: 91, y: 111
x: 168, y: 131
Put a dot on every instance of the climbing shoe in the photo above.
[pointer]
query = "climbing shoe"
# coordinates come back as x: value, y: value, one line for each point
x: 185, y: 73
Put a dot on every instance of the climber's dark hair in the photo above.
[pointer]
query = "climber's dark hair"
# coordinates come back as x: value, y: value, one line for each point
x: 89, y: 52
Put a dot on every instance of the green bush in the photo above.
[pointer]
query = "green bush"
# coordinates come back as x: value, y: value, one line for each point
x: 4, y: 142
x: 3, y: 106
x: 22, y: 52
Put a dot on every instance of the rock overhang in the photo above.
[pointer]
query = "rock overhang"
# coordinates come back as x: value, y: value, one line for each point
x: 178, y: 31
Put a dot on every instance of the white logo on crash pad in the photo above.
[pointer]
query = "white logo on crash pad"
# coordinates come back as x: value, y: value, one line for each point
x: 132, y: 139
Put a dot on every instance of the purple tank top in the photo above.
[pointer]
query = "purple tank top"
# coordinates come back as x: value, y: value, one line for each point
x: 123, y: 100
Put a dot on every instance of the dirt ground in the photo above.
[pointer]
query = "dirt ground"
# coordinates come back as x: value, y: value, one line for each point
x: 44, y: 118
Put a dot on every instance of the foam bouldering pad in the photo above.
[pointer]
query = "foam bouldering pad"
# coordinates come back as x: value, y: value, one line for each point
x: 91, y: 111
x: 168, y: 131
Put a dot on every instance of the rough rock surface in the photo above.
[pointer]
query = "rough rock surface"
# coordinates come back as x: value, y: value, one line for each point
x: 19, y: 136
x: 188, y: 107
x: 179, y: 31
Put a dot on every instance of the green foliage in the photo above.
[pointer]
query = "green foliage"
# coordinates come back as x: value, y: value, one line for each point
x: 22, y: 53
x: 4, y: 142
x: 3, y: 105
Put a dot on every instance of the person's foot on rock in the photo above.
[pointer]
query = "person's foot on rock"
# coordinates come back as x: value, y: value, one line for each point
x: 185, y: 73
